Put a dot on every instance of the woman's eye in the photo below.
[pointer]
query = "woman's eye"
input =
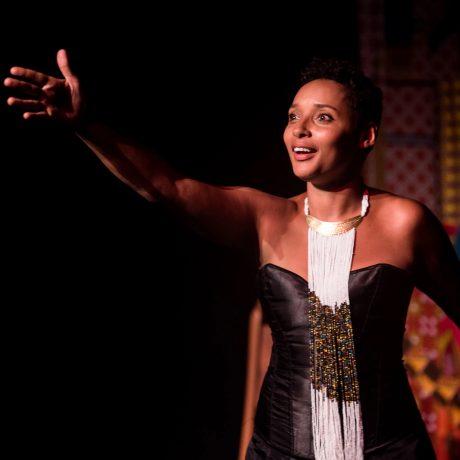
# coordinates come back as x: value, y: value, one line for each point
x: 322, y: 115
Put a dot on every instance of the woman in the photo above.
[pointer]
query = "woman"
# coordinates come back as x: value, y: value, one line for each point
x: 337, y: 263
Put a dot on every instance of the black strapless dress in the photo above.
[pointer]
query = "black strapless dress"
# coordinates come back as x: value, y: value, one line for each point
x: 392, y: 423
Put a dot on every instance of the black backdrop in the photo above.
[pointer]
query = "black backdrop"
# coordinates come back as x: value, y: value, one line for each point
x: 125, y: 332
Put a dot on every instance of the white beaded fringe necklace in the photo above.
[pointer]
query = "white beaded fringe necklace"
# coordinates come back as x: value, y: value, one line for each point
x: 336, y: 410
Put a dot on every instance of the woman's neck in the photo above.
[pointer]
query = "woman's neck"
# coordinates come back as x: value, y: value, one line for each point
x: 335, y: 203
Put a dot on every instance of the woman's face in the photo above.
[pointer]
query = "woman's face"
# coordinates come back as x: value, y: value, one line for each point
x: 320, y: 119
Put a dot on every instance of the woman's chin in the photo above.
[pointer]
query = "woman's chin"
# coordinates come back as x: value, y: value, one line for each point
x: 304, y: 173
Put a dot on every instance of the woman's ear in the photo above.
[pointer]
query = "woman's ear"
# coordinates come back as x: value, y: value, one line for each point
x: 368, y: 136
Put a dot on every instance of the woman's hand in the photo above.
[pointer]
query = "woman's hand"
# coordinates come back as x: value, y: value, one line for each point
x: 43, y: 96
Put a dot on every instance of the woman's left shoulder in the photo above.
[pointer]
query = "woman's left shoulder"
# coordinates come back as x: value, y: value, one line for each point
x: 399, y: 211
x: 434, y: 262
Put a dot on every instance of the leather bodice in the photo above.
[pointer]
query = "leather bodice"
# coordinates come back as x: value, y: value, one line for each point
x: 379, y: 298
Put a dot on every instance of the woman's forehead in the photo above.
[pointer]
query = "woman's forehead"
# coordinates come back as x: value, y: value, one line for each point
x: 322, y: 92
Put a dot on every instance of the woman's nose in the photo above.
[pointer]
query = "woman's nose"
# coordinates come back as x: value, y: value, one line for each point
x: 302, y: 131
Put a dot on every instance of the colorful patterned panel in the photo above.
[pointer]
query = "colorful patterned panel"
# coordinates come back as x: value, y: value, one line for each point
x: 411, y: 150
x: 413, y: 171
x: 450, y: 148
x: 432, y: 360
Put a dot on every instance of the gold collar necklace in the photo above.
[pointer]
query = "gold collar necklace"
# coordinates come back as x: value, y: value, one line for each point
x: 336, y: 228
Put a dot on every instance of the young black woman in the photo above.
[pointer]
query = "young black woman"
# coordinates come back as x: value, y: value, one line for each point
x: 332, y: 127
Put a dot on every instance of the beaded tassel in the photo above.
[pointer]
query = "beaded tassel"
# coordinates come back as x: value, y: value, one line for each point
x: 336, y: 410
x: 333, y: 380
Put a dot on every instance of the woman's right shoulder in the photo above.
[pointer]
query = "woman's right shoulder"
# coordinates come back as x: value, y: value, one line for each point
x: 265, y: 201
x: 272, y: 210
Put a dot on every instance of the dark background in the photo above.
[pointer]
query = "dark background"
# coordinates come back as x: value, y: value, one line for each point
x: 124, y: 332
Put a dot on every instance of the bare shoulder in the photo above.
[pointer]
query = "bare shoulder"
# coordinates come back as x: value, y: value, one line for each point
x: 272, y: 211
x: 435, y: 265
x: 400, y: 214
x: 263, y: 203
x: 271, y: 206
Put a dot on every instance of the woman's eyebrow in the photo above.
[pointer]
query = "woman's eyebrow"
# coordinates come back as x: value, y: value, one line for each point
x: 320, y: 106
x: 326, y: 105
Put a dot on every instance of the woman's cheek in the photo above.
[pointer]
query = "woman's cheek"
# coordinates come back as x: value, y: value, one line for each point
x: 286, y: 135
x: 335, y: 140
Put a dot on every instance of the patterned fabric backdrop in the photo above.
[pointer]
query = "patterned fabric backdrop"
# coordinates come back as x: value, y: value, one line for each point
x: 418, y: 156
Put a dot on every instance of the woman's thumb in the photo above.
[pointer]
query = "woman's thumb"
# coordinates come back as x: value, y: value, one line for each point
x: 63, y: 64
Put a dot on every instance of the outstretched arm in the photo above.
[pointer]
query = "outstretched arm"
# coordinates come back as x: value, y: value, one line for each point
x: 224, y: 214
x: 227, y: 215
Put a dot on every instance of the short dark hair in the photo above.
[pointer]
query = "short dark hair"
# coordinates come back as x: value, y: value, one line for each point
x: 365, y: 97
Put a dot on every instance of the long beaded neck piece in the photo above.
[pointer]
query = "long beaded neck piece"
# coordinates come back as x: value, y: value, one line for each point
x: 336, y: 410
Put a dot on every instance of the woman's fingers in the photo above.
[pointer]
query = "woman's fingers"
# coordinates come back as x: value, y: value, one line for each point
x: 26, y: 104
x: 30, y: 115
x: 27, y: 88
x: 38, y: 78
x: 43, y: 96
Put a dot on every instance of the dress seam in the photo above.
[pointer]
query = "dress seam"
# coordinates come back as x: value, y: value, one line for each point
x: 291, y: 434
x: 377, y: 418
x: 371, y: 303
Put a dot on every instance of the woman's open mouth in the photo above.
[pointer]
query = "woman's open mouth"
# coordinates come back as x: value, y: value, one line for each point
x: 303, y: 153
